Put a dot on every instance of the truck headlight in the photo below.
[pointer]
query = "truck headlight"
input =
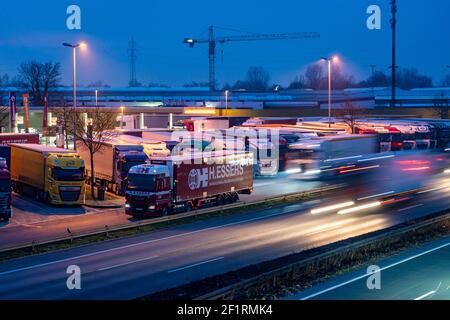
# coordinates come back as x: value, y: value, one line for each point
x: 127, y: 205
x: 152, y: 207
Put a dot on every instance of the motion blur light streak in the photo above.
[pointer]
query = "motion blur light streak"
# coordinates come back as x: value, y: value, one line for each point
x: 359, y: 169
x: 416, y: 169
x: 377, y: 195
x: 333, y: 207
x: 376, y: 158
x: 360, y: 208
x: 292, y: 171
x: 346, y: 158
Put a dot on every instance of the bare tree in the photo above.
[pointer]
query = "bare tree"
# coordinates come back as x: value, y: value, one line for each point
x: 441, y: 105
x: 4, y: 117
x: 257, y: 79
x: 446, y: 81
x: 92, y: 136
x: 63, y: 114
x: 315, y: 76
x: 298, y: 83
x: 39, y: 78
x: 350, y: 114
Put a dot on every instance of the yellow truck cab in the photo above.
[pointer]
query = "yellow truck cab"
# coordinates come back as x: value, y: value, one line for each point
x: 50, y: 174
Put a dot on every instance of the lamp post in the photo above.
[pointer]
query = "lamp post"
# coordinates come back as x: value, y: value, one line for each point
x: 330, y: 61
x: 227, y: 92
x: 122, y: 109
x: 96, y: 98
x: 74, y: 48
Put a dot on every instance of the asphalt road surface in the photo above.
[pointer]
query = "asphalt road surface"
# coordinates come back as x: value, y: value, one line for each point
x: 37, y: 221
x: 132, y: 267
x: 419, y: 274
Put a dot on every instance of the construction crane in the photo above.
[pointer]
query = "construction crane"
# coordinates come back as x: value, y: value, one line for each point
x: 212, y: 42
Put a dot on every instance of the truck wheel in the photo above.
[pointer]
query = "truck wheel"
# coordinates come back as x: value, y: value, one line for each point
x: 228, y: 199
x: 235, y: 197
x: 188, y: 207
x: 220, y: 200
x: 164, y: 212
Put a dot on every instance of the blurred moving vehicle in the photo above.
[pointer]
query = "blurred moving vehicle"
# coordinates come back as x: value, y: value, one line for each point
x: 50, y: 174
x: 181, y: 183
x: 329, y: 157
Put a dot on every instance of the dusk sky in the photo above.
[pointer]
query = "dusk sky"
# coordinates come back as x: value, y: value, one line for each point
x: 35, y: 30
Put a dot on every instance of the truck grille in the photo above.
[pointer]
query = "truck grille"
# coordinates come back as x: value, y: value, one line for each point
x: 3, y: 200
x: 70, y: 194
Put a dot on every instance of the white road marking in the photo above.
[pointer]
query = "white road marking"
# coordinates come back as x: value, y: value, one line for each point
x: 143, y: 243
x: 382, y: 269
x: 195, y: 265
x: 412, y: 207
x: 426, y: 295
x: 127, y: 263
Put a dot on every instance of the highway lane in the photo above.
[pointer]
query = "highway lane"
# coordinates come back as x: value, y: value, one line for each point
x: 132, y: 267
x: 419, y: 274
x: 37, y: 221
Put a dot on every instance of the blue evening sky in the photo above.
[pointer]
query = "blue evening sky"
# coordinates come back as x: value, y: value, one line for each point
x: 33, y: 29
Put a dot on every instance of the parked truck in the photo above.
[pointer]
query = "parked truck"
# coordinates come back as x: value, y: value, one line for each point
x: 180, y: 183
x: 112, y: 162
x: 7, y: 138
x: 49, y: 174
x: 5, y: 191
x: 152, y: 148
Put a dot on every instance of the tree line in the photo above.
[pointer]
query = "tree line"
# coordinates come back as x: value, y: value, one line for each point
x: 39, y: 77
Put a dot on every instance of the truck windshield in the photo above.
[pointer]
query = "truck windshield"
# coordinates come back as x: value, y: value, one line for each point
x: 141, y: 182
x: 5, y: 185
x: 126, y: 166
x: 60, y: 174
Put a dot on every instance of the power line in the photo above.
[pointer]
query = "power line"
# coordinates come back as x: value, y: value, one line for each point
x: 132, y: 56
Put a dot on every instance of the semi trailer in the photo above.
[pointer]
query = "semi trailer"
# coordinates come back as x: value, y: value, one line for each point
x: 112, y: 162
x: 181, y: 183
x: 49, y: 174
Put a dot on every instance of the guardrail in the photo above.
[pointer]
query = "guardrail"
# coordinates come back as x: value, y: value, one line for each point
x: 136, y: 225
x: 229, y: 291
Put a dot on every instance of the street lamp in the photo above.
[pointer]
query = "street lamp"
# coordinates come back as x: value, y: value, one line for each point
x: 330, y: 61
x: 96, y: 98
x: 74, y: 49
x: 227, y: 92
x: 122, y: 109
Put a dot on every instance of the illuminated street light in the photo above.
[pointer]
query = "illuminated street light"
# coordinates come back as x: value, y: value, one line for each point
x: 122, y: 109
x: 330, y: 61
x: 74, y: 48
x: 227, y: 92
